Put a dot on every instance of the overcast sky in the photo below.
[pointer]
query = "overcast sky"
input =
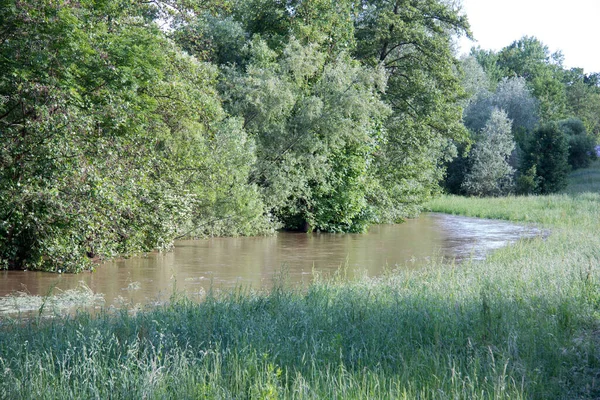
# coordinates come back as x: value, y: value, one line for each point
x: 571, y: 26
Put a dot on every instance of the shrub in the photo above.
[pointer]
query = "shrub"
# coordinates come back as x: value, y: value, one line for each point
x: 547, y: 151
x: 581, y: 145
x: 491, y: 174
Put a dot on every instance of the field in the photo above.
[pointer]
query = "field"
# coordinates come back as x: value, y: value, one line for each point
x: 523, y: 324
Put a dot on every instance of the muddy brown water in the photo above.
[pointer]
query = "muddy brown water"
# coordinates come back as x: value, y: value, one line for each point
x: 195, y: 266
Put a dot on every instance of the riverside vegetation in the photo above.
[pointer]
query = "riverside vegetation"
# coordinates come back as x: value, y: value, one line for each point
x: 126, y: 124
x: 523, y: 324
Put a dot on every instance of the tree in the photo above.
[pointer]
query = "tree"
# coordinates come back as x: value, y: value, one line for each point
x: 214, y: 39
x: 317, y: 127
x: 401, y: 165
x: 490, y: 173
x: 514, y: 97
x: 108, y: 136
x: 412, y: 41
x: 546, y: 160
x: 583, y: 98
x: 488, y: 59
x: 324, y: 22
x: 474, y: 80
x: 581, y: 146
x: 531, y: 59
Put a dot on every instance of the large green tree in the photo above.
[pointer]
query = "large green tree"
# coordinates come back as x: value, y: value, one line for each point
x: 106, y: 130
x: 409, y: 42
x: 412, y: 41
x: 317, y: 127
x: 529, y: 58
x: 583, y: 98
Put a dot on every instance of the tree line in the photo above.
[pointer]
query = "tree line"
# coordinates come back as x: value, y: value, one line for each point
x: 127, y: 124
x: 530, y: 121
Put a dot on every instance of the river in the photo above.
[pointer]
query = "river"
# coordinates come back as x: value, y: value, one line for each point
x: 195, y: 266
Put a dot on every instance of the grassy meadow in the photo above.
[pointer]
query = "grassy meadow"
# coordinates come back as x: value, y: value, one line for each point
x: 523, y: 324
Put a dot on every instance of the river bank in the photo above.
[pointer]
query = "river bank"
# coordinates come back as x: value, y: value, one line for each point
x: 524, y: 323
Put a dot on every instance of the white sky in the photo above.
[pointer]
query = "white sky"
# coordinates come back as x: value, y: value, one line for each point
x: 571, y: 26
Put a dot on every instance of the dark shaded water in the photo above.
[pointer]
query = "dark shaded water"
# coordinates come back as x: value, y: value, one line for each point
x: 193, y: 266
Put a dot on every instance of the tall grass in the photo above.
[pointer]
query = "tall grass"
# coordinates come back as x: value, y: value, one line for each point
x: 523, y: 324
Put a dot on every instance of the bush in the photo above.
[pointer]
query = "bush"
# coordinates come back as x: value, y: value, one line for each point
x: 491, y: 174
x: 581, y: 145
x: 547, y: 151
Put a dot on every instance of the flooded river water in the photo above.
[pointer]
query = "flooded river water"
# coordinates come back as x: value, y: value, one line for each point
x: 223, y: 263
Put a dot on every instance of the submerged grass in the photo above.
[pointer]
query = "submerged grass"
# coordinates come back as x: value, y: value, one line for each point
x: 53, y: 303
x: 523, y: 324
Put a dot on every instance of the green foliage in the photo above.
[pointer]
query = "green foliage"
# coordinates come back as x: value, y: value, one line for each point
x: 328, y: 23
x: 488, y: 59
x: 322, y: 162
x: 528, y: 181
x: 490, y: 173
x: 550, y: 92
x: 323, y: 22
x: 456, y: 169
x: 474, y: 79
x: 511, y: 95
x: 218, y: 40
x: 547, y: 151
x: 583, y: 99
x: 411, y: 40
x: 559, y: 92
x: 582, y: 147
x: 530, y: 58
x: 106, y: 125
x: 315, y: 125
x: 269, y: 19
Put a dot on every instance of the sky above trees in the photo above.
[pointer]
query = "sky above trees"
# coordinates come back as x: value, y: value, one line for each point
x: 567, y: 26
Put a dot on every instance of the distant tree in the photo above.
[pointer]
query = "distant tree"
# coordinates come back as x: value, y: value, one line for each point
x: 545, y: 163
x: 531, y: 59
x: 581, y: 145
x: 490, y: 173
x: 474, y: 79
x: 488, y: 59
x: 514, y: 97
x: 218, y: 40
x: 583, y: 98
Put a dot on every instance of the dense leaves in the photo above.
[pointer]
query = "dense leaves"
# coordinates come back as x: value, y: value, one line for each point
x: 581, y: 145
x: 109, y: 135
x: 317, y: 126
x: 490, y: 173
x: 126, y: 124
x: 547, y: 159
x: 411, y: 40
x: 531, y: 85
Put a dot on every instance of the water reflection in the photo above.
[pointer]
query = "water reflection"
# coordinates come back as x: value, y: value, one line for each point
x: 195, y: 266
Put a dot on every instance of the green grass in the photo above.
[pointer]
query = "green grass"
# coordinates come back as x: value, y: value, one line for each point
x: 523, y: 324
